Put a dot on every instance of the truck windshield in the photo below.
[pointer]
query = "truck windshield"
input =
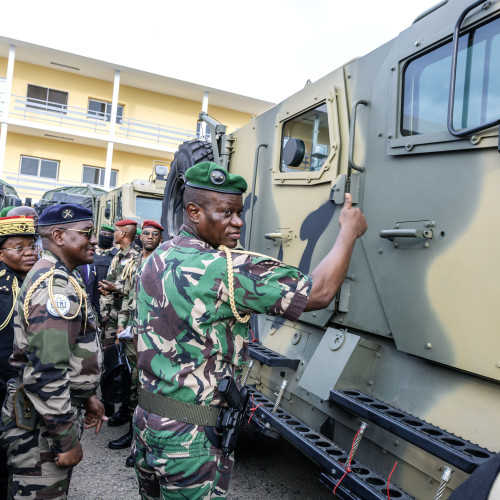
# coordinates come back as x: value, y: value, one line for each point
x: 148, y: 208
x: 477, y: 95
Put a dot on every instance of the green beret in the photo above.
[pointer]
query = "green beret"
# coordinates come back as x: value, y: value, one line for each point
x: 209, y: 175
x: 138, y: 231
x: 5, y: 211
x: 107, y: 227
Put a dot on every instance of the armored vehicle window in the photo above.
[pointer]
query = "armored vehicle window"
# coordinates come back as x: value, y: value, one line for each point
x: 477, y: 95
x: 305, y: 141
x: 147, y: 208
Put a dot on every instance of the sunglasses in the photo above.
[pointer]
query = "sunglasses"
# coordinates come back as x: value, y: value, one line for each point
x: 88, y: 233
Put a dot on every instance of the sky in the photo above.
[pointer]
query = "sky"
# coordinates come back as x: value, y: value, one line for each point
x: 266, y: 49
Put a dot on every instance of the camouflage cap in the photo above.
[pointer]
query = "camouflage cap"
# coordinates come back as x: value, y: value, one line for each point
x: 107, y: 227
x: 210, y: 176
x: 64, y: 214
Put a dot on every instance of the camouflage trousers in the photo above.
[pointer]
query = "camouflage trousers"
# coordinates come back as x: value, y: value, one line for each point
x: 131, y: 354
x: 175, y: 460
x: 33, y: 474
x: 108, y: 333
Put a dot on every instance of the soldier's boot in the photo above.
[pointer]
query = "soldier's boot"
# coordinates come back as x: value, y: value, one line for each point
x: 122, y: 416
x: 122, y: 442
x: 130, y: 461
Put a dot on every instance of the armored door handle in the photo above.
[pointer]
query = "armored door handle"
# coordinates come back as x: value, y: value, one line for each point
x: 390, y: 234
x: 275, y: 236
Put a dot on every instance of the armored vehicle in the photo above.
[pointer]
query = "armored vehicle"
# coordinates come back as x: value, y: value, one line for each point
x: 8, y: 195
x: 138, y: 200
x: 86, y: 196
x: 398, y: 380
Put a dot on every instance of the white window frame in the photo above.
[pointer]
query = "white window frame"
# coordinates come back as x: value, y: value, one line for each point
x: 40, y: 160
x: 101, y: 171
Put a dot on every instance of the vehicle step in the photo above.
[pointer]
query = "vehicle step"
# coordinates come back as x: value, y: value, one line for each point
x: 442, y: 444
x: 361, y: 483
x: 271, y: 358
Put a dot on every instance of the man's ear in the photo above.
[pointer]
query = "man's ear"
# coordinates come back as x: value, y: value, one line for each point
x: 193, y: 211
x: 58, y: 236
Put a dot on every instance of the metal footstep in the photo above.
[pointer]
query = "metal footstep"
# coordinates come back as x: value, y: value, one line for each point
x: 452, y: 449
x: 271, y: 358
x: 361, y: 483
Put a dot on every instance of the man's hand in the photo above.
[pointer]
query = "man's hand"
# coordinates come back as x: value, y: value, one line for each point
x: 94, y: 413
x: 107, y: 286
x: 352, y: 218
x: 330, y: 273
x: 119, y: 330
x: 70, y: 458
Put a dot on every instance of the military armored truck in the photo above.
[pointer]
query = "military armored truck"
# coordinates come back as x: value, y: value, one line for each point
x: 8, y: 195
x: 398, y: 380
x: 86, y: 196
x: 138, y: 200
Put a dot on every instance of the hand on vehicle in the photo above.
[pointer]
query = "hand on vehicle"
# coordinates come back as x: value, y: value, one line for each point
x: 352, y: 218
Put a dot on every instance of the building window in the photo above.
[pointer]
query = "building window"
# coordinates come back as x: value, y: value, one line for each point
x: 102, y: 110
x: 39, y: 167
x: 55, y: 101
x: 95, y: 175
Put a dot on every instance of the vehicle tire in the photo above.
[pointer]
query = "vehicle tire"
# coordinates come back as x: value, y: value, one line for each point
x: 189, y: 153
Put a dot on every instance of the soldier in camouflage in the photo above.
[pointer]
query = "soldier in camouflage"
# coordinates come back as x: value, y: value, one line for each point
x: 111, y: 290
x: 58, y: 356
x: 151, y: 237
x: 194, y: 298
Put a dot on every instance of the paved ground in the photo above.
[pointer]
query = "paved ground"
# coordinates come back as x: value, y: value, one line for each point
x: 265, y: 468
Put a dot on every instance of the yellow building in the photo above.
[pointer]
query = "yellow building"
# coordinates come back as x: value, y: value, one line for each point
x: 69, y: 120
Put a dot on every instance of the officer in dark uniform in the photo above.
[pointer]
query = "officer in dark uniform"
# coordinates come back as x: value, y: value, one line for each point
x: 18, y: 254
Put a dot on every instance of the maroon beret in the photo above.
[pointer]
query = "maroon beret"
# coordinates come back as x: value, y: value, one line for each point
x: 126, y: 222
x: 152, y: 223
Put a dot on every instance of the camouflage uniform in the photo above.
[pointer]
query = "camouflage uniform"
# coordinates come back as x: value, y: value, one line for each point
x: 111, y: 303
x: 125, y: 317
x: 188, y: 339
x: 59, y: 365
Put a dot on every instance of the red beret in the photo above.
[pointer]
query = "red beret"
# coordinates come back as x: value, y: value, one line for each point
x: 152, y: 223
x: 126, y: 222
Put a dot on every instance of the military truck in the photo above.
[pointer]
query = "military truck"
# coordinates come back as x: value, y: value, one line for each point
x: 138, y: 200
x: 86, y: 196
x: 403, y: 367
x: 8, y: 196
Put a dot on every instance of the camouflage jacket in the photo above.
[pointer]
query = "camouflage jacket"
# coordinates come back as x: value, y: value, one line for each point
x: 188, y: 337
x: 111, y: 304
x: 130, y: 274
x: 59, y: 360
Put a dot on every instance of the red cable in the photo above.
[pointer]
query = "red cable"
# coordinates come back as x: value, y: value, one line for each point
x: 348, y: 465
x: 253, y: 336
x: 389, y: 480
x: 253, y: 409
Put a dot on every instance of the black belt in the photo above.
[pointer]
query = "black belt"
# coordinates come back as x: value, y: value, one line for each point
x: 178, y: 410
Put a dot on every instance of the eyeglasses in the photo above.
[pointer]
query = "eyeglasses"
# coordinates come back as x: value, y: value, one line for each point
x: 88, y: 233
x: 20, y: 250
x: 154, y: 234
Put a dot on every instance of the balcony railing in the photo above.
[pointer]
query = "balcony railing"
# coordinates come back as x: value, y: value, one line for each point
x: 72, y: 117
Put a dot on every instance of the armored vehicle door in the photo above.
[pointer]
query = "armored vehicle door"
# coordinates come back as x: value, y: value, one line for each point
x: 292, y: 213
x: 431, y: 189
